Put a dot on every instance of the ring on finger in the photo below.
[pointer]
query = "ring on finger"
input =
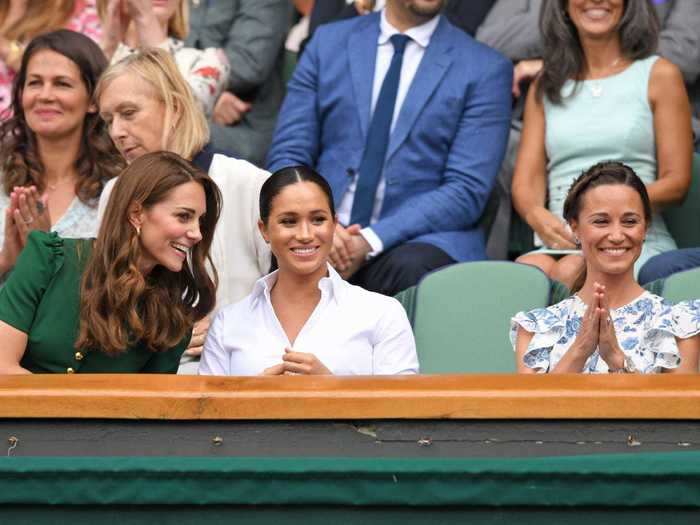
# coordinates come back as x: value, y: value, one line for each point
x: 40, y: 207
x: 28, y: 221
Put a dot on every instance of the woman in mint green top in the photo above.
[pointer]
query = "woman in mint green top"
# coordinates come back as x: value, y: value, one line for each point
x: 602, y: 95
x: 126, y: 301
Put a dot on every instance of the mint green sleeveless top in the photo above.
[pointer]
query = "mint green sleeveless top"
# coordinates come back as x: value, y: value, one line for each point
x: 605, y: 119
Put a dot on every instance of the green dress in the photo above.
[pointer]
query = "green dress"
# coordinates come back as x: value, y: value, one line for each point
x: 42, y: 299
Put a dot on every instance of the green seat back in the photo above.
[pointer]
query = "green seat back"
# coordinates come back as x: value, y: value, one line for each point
x: 682, y: 286
x: 684, y: 221
x: 462, y: 315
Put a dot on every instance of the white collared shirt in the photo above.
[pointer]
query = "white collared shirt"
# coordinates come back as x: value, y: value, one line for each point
x: 415, y: 49
x: 351, y: 331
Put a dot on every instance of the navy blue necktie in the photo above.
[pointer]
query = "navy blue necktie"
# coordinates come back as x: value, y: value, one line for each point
x: 378, y: 138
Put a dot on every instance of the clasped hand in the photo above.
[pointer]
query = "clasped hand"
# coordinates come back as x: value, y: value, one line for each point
x: 598, y: 331
x: 27, y: 211
x: 349, y: 250
x: 294, y: 363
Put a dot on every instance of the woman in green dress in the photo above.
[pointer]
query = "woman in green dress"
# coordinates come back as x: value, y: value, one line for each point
x: 126, y: 301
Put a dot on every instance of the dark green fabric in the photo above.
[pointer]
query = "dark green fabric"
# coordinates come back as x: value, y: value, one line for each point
x: 407, y: 298
x: 627, y: 480
x: 42, y: 299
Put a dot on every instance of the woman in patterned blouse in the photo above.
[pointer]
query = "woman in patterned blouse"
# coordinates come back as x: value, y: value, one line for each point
x: 56, y: 152
x: 610, y: 324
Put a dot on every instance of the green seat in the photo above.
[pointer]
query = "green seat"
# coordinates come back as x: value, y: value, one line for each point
x: 683, y: 221
x: 682, y: 286
x: 462, y: 315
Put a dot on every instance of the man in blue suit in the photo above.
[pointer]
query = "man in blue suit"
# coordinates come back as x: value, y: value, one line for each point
x: 407, y: 118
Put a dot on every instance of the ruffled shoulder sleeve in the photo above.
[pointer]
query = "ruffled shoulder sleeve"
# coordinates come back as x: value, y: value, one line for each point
x: 548, y: 326
x: 41, y: 258
x: 686, y: 319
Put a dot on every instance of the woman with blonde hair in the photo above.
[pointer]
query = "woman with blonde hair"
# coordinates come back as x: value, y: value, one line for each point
x: 132, y: 25
x: 21, y: 20
x: 148, y: 107
x: 126, y: 301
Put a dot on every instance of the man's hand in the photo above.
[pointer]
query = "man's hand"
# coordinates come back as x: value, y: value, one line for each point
x: 349, y: 250
x: 229, y: 109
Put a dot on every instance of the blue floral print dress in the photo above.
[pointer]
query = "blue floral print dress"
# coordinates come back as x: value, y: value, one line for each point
x: 646, y: 331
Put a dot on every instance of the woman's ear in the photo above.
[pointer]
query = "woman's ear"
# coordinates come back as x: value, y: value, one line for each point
x: 136, y: 216
x: 263, y: 231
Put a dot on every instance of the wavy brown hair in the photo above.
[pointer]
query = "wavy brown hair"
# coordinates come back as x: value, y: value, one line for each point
x: 41, y: 16
x: 563, y: 54
x: 118, y: 304
x: 98, y: 160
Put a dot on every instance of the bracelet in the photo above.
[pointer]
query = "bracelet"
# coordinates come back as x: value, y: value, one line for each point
x: 628, y: 367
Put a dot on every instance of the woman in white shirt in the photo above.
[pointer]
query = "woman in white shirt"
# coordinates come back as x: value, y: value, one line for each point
x: 304, y: 318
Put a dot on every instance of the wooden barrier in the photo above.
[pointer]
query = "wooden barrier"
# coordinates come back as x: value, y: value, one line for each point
x: 323, y: 398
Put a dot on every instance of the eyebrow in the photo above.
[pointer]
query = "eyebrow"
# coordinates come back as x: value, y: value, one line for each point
x: 57, y: 77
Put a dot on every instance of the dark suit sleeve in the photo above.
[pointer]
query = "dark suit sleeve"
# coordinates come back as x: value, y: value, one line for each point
x: 471, y: 165
x: 512, y: 27
x: 254, y: 42
x: 468, y: 15
x: 296, y: 138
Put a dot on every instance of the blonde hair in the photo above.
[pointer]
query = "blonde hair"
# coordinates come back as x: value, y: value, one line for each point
x: 178, y: 25
x: 41, y: 16
x: 185, y: 129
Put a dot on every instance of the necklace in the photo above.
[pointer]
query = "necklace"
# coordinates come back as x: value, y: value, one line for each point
x: 596, y: 86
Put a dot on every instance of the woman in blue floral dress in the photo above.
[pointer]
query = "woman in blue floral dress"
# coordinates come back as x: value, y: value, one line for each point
x: 610, y: 324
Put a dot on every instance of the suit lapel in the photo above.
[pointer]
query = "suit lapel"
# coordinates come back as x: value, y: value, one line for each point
x: 362, y: 55
x: 436, y: 60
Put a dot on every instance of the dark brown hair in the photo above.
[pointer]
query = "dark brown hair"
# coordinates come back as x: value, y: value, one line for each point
x: 98, y: 159
x: 562, y: 52
x: 603, y: 173
x: 284, y: 177
x: 118, y: 304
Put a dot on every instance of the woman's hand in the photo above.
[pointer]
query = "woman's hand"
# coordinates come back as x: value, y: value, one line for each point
x: 30, y: 211
x: 294, y: 363
x: 11, y: 245
x: 151, y: 32
x: 114, y: 27
x: 364, y: 7
x: 199, y: 335
x: 608, y: 347
x: 585, y: 343
x: 551, y: 229
x: 523, y: 71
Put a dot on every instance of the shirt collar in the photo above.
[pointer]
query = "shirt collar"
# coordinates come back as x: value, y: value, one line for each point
x: 331, y: 286
x: 419, y: 34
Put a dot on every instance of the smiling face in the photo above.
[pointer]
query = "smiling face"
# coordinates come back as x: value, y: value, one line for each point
x: 170, y: 228
x: 611, y: 228
x: 165, y: 9
x: 300, y: 229
x: 54, y: 97
x: 134, y: 116
x: 595, y: 18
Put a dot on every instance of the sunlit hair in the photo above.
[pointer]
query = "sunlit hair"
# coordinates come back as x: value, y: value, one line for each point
x: 178, y: 25
x: 603, y: 174
x: 561, y: 47
x: 284, y: 177
x: 118, y: 304
x: 185, y: 129
x: 41, y: 16
x: 98, y: 159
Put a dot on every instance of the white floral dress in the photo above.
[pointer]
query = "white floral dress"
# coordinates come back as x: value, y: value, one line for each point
x: 646, y: 331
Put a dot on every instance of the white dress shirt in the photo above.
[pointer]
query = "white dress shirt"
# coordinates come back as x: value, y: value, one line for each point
x: 415, y: 49
x: 351, y: 331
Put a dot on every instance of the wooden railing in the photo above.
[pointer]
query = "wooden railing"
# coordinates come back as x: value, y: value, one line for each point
x: 418, y: 397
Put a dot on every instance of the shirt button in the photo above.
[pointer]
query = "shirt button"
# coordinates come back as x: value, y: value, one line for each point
x: 69, y: 370
x: 79, y: 356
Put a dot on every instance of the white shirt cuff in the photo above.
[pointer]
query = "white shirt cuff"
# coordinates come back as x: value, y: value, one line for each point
x: 374, y: 242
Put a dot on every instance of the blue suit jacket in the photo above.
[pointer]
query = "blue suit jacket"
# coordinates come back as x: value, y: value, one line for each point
x: 445, y: 149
